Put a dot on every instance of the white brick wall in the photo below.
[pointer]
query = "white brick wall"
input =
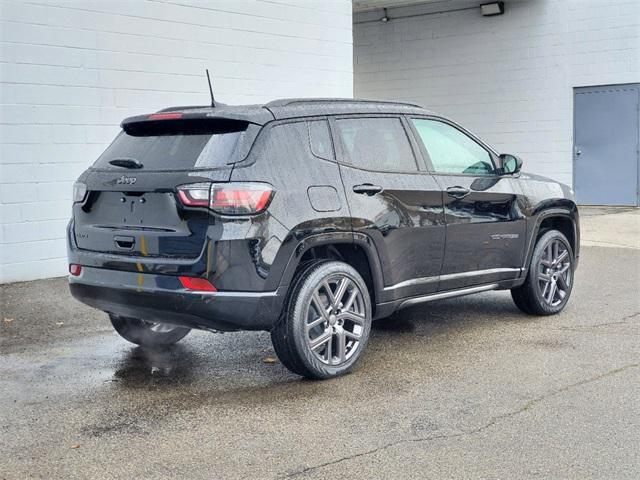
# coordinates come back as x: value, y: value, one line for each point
x: 71, y: 70
x: 508, y: 78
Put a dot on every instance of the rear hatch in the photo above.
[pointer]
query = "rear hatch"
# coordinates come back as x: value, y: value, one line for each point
x: 131, y: 206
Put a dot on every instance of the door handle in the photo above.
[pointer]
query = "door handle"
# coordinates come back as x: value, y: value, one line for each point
x: 458, y: 192
x: 367, y: 189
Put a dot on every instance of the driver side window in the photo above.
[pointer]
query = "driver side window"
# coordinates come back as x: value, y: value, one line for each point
x: 451, y: 151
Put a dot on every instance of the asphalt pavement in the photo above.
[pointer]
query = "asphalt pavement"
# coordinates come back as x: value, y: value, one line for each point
x: 461, y: 388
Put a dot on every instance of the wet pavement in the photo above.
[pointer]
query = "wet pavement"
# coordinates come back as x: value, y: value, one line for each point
x: 462, y: 388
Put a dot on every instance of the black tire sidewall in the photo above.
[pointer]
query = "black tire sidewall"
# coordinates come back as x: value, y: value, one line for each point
x: 297, y: 318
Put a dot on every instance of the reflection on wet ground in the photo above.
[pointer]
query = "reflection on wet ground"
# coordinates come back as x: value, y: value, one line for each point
x: 162, y: 366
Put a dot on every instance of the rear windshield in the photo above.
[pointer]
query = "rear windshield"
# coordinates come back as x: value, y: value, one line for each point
x: 181, y: 146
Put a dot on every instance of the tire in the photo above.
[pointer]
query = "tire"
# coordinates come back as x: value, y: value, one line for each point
x: 549, y: 281
x: 340, y: 335
x: 146, y: 333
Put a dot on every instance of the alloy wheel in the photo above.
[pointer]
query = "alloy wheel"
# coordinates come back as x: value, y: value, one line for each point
x: 335, y: 320
x: 554, y: 272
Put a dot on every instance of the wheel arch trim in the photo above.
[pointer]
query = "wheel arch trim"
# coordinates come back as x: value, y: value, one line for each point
x: 570, y: 212
x: 354, y: 238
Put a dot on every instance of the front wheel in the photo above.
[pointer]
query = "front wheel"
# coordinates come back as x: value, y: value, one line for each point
x: 148, y: 333
x: 549, y: 282
x: 327, y: 321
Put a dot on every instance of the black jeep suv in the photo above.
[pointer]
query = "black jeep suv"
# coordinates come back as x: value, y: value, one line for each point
x: 309, y: 219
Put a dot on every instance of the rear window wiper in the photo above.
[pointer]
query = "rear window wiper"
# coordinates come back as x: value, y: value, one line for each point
x: 126, y: 163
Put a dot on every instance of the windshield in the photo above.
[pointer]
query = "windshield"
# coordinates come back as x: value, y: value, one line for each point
x: 184, y: 148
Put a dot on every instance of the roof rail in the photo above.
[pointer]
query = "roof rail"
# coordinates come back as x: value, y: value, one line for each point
x: 285, y: 102
x: 183, y: 107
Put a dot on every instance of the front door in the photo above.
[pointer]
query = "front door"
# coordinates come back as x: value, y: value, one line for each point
x: 606, y: 140
x: 393, y: 201
x: 485, y: 227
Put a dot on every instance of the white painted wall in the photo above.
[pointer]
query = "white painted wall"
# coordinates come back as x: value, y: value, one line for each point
x: 508, y: 78
x: 71, y: 70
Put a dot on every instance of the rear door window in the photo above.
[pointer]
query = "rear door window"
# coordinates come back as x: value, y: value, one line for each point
x: 379, y: 144
x: 182, y: 147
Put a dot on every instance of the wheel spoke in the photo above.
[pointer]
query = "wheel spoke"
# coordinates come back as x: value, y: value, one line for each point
x: 562, y: 283
x: 332, y: 298
x: 562, y: 256
x: 341, y: 342
x: 545, y: 290
x: 564, y: 269
x: 353, y: 317
x: 552, y: 293
x: 352, y: 335
x: 329, y: 350
x: 322, y: 310
x: 340, y: 291
x: 321, y: 340
x: 544, y: 277
x: 556, y: 246
x: 315, y: 323
x: 354, y: 294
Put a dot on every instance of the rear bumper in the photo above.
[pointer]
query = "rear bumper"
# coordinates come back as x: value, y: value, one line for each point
x: 162, y: 297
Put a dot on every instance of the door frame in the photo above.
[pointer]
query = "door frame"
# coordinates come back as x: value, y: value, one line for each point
x: 597, y: 88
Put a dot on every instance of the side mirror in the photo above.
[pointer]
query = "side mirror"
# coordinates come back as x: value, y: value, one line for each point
x: 510, y: 164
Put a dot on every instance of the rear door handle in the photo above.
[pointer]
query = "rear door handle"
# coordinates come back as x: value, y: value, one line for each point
x: 458, y: 192
x: 367, y: 189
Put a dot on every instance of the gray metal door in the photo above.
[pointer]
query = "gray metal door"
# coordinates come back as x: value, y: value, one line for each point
x: 605, y: 146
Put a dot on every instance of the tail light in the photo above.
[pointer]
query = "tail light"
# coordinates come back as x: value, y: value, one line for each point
x: 79, y: 192
x: 75, y: 269
x: 227, y: 198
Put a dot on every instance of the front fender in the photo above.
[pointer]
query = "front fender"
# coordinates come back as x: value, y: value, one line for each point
x: 552, y: 208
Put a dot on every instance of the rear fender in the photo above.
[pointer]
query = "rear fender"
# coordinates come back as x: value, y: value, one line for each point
x: 334, y: 238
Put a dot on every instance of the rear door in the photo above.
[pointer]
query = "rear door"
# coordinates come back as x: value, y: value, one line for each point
x: 393, y: 200
x: 485, y: 226
x: 131, y: 206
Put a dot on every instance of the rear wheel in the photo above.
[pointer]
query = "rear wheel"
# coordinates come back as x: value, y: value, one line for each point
x: 148, y: 333
x: 549, y: 282
x: 326, y: 323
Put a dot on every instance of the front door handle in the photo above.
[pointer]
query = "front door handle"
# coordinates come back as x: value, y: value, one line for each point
x: 458, y: 192
x: 367, y: 189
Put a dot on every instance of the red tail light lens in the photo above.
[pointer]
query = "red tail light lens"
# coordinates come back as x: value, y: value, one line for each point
x: 75, y: 269
x: 228, y: 198
x: 195, y: 194
x: 240, y: 199
x: 197, y: 284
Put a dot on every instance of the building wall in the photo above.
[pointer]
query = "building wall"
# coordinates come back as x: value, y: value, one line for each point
x: 71, y: 70
x: 508, y: 78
